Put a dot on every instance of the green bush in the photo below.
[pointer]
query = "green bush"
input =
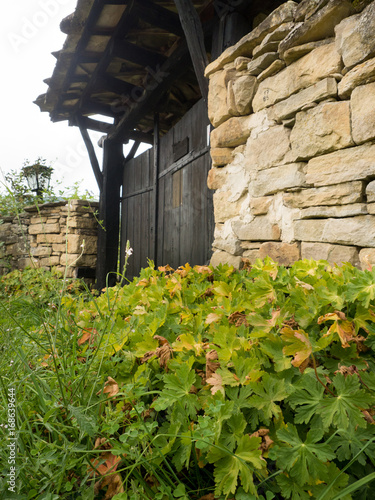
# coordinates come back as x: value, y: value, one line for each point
x: 204, y: 383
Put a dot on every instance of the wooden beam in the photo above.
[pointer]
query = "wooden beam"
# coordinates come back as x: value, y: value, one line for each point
x: 137, y: 136
x: 93, y: 159
x: 160, y: 82
x: 92, y: 124
x: 193, y: 30
x: 156, y: 15
x: 93, y: 107
x: 113, y: 84
x: 138, y: 55
x: 109, y: 214
x: 156, y: 186
x: 132, y: 152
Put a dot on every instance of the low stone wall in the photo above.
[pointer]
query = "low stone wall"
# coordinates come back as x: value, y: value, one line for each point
x: 293, y: 151
x: 61, y: 235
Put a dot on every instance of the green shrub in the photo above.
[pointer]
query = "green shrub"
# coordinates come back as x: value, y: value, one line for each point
x: 204, y: 382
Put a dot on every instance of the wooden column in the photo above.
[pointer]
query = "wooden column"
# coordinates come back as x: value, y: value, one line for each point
x: 109, y: 214
x: 156, y: 187
x: 193, y: 30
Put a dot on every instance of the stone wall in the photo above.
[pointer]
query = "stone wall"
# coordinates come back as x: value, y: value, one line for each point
x: 293, y: 149
x: 62, y: 235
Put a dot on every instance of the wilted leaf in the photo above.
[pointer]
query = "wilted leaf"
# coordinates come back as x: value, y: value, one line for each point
x: 217, y: 383
x: 266, y: 440
x: 203, y: 269
x: 164, y: 353
x: 165, y: 269
x: 212, y: 318
x: 88, y: 334
x: 106, y: 465
x: 237, y: 318
x: 110, y: 387
x: 211, y: 363
x: 298, y: 346
x: 344, y: 328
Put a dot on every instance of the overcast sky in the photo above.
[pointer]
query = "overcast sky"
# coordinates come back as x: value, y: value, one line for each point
x: 29, y: 33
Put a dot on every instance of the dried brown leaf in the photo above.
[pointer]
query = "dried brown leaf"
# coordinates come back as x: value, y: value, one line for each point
x: 164, y: 353
x: 211, y: 363
x: 237, y: 318
x: 266, y: 440
x: 110, y: 387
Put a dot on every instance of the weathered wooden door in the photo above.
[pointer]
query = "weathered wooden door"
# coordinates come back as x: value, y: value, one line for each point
x: 184, y: 203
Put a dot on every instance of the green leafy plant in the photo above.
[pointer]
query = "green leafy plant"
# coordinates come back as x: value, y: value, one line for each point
x: 203, y: 383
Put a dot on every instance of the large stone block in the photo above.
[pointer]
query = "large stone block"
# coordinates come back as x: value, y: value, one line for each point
x: 231, y: 133
x: 78, y: 243
x: 77, y: 260
x: 367, y: 258
x: 240, y: 95
x: 334, y: 254
x: 344, y: 165
x: 259, y: 229
x: 217, y: 97
x: 82, y: 222
x: 260, y: 206
x: 359, y: 75
x: 322, y: 129
x: 53, y: 260
x: 229, y: 245
x: 294, y: 53
x: 44, y: 228
x: 235, y: 131
x: 49, y: 238
x: 370, y: 192
x: 221, y: 156
x: 363, y: 113
x: 274, y: 68
x: 358, y: 231
x: 224, y: 209
x: 338, y: 194
x: 246, y: 45
x: 265, y: 47
x: 318, y: 26
x: 318, y: 64
x: 41, y: 251
x: 355, y: 37
x: 326, y: 212
x: 259, y: 64
x: 220, y: 257
x: 322, y: 90
x: 272, y: 180
x: 307, y: 8
x: 268, y: 148
x: 285, y: 254
x: 216, y: 178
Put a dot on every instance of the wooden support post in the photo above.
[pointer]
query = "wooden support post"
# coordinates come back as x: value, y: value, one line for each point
x: 193, y: 30
x: 93, y: 159
x: 109, y: 214
x: 156, y: 185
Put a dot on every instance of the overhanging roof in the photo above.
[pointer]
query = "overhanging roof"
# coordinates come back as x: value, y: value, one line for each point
x: 125, y: 59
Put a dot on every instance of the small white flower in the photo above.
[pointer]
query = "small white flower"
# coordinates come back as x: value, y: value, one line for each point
x: 128, y: 252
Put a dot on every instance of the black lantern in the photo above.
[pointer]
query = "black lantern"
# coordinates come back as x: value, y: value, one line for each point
x: 38, y: 176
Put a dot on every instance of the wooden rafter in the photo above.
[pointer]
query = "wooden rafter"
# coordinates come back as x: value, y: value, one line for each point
x: 192, y: 27
x: 135, y: 54
x: 171, y: 70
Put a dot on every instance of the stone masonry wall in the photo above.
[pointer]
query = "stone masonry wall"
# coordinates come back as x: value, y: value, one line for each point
x: 61, y: 235
x: 293, y: 149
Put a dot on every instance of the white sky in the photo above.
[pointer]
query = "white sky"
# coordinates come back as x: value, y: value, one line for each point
x: 29, y: 33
